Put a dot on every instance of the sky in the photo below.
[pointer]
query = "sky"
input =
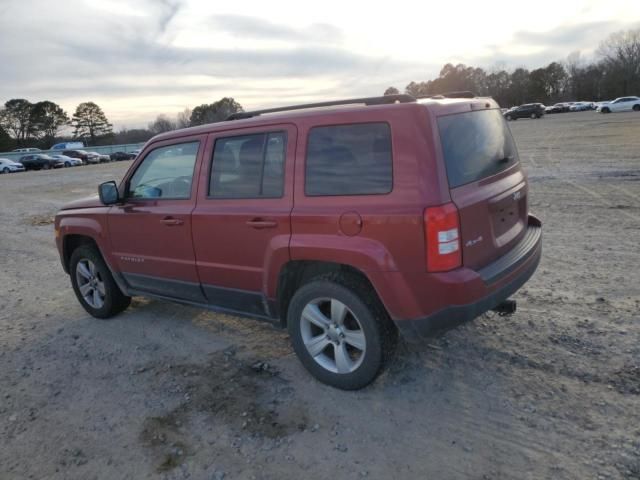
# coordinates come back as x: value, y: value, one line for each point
x: 137, y: 59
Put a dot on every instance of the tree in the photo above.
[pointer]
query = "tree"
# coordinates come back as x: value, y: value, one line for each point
x: 47, y: 118
x: 162, y: 124
x: 16, y: 118
x: 391, y: 91
x: 519, y: 87
x: 90, y: 122
x: 6, y: 142
x: 620, y: 53
x: 184, y: 118
x: 215, y: 112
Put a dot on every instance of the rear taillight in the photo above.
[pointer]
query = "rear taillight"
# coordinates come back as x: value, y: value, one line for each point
x: 442, y: 236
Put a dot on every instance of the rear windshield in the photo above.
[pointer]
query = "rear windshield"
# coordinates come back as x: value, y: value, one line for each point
x: 475, y: 145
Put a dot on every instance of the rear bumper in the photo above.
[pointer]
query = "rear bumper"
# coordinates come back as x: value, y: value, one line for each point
x: 467, y: 294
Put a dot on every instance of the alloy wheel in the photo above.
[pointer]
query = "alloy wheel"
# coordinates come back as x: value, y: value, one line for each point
x: 333, y: 335
x: 90, y: 283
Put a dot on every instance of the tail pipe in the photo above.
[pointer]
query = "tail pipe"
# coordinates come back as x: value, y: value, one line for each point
x: 506, y: 307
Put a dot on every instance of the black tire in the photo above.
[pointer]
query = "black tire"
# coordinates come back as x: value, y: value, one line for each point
x: 114, y: 301
x: 534, y: 116
x: 5, y: 170
x: 636, y: 108
x: 379, y: 332
x: 66, y: 164
x: 605, y: 110
x: 508, y: 117
x: 46, y: 166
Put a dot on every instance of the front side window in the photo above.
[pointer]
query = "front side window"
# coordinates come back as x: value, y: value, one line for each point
x: 349, y: 160
x: 249, y: 166
x: 166, y: 172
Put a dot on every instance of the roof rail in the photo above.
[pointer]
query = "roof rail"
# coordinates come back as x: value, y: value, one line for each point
x: 461, y: 94
x: 384, y: 100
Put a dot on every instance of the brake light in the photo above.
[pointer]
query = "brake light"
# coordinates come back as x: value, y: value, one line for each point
x: 442, y: 236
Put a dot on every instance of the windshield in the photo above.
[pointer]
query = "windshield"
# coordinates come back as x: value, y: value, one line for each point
x: 475, y: 145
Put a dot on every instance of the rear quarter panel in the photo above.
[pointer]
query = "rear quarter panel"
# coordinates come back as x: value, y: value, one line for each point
x: 391, y: 236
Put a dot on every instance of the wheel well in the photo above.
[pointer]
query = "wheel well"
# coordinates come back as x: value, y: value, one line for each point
x: 297, y: 273
x: 70, y: 243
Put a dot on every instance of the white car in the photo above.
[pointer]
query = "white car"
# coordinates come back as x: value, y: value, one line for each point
x: 621, y: 104
x: 9, y: 166
x: 27, y: 150
x: 68, y: 161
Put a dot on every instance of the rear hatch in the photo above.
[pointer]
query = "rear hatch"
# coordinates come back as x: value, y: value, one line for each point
x: 486, y: 183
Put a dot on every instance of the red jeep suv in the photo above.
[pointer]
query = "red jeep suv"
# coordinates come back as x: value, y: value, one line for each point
x: 344, y: 222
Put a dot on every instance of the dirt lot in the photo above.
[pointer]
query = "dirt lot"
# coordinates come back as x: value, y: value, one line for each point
x: 167, y: 391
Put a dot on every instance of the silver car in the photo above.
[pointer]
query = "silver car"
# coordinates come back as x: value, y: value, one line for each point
x: 9, y: 166
x: 68, y: 161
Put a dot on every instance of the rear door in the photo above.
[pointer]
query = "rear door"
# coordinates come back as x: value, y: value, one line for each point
x: 242, y: 224
x: 486, y: 183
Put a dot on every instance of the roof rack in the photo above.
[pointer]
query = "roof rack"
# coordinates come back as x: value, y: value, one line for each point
x: 384, y: 100
x: 460, y: 94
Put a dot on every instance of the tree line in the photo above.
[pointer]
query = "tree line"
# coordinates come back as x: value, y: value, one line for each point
x: 615, y: 72
x: 26, y: 124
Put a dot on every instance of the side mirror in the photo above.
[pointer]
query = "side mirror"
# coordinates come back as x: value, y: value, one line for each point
x: 108, y: 192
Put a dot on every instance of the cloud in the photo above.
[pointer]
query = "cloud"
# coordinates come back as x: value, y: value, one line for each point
x: 539, y: 48
x: 243, y: 26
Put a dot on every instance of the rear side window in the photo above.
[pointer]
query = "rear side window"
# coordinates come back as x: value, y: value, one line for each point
x: 475, y: 145
x: 349, y: 160
x: 249, y: 166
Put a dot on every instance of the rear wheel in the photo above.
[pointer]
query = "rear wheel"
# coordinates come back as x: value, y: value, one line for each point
x: 508, y: 117
x: 340, y: 331
x: 534, y: 115
x: 67, y: 164
x: 46, y: 166
x: 94, y: 285
x: 636, y: 108
x: 5, y: 170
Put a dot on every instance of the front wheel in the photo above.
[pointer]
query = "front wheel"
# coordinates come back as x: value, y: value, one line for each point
x: 340, y: 331
x: 94, y: 285
x: 636, y: 108
x: 534, y: 116
x: 508, y: 117
x: 46, y: 166
x: 605, y: 110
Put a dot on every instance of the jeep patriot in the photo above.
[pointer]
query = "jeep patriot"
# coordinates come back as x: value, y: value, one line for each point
x: 345, y: 222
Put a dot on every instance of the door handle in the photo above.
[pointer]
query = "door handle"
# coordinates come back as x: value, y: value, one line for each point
x: 171, y: 222
x: 260, y: 223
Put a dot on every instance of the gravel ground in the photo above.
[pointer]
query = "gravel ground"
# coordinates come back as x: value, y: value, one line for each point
x: 167, y: 391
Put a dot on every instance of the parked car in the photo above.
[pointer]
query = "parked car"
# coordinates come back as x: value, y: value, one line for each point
x: 68, y: 161
x: 82, y: 155
x: 102, y: 158
x: 528, y: 110
x: 40, y: 161
x: 136, y: 152
x: 344, y: 225
x: 9, y: 166
x: 117, y: 156
x: 25, y: 150
x: 67, y: 145
x: 558, y: 108
x: 621, y: 104
x: 580, y: 106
